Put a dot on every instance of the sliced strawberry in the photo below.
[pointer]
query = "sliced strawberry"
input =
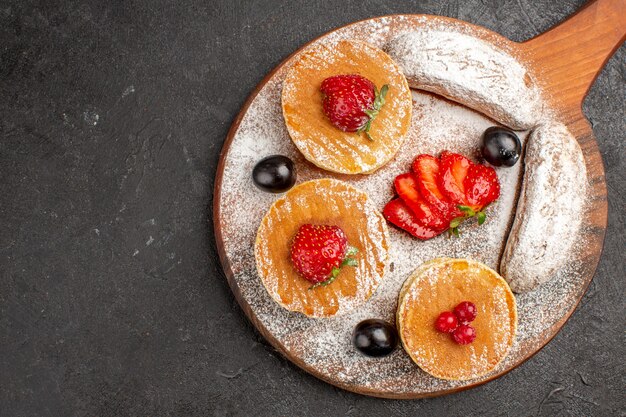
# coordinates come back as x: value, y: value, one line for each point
x: 452, y: 171
x: 426, y: 168
x: 407, y: 188
x: 399, y: 214
x: 481, y: 186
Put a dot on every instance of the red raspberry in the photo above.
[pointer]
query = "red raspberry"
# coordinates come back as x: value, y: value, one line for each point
x: 464, y: 334
x: 465, y: 312
x: 446, y: 322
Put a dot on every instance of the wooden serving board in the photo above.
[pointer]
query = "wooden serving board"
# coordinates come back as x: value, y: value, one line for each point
x: 565, y: 60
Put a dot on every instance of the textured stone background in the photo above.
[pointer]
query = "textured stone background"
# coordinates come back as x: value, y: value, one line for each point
x: 112, y: 301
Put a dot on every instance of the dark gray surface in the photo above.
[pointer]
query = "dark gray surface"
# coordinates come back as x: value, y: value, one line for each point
x: 112, y: 301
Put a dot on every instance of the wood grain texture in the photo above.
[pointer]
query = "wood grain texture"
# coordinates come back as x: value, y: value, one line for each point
x: 568, y: 109
x: 569, y: 57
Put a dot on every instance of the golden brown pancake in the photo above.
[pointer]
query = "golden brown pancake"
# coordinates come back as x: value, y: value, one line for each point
x: 322, y: 143
x: 323, y: 202
x: 439, y: 286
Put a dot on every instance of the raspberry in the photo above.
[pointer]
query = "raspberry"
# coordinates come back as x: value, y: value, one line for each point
x: 465, y: 312
x: 464, y: 334
x: 446, y: 322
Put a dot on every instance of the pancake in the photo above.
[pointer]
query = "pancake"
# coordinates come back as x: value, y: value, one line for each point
x: 324, y: 202
x: 439, y: 286
x: 324, y: 144
x: 472, y: 72
x: 550, y: 208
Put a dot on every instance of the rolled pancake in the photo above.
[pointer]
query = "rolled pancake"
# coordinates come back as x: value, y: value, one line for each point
x: 469, y: 71
x: 549, y: 210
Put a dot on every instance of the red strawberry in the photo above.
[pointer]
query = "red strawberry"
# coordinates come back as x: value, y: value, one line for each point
x: 318, y: 253
x: 407, y: 189
x: 481, y: 186
x: 427, y: 169
x: 398, y: 213
x: 452, y: 171
x: 351, y: 102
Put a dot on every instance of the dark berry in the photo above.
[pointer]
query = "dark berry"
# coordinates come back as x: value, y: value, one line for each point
x: 374, y: 337
x: 274, y: 174
x: 446, y: 322
x: 465, y: 312
x: 464, y: 334
x: 501, y: 146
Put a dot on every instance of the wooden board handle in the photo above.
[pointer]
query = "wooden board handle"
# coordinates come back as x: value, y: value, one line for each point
x: 571, y: 55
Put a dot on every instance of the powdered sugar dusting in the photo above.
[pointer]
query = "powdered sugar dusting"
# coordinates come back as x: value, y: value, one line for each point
x: 437, y: 124
x: 470, y: 71
x: 551, y: 199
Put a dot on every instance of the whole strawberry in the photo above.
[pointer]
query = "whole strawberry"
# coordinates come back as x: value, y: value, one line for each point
x: 351, y: 102
x: 318, y: 252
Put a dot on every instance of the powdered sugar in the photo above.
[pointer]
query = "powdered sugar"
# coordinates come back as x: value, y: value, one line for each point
x: 551, y: 201
x: 470, y: 71
x: 324, y: 345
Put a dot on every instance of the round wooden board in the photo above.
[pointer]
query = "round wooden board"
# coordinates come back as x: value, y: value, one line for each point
x: 238, y: 209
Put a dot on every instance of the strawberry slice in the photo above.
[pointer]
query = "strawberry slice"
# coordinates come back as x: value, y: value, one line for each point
x: 407, y: 188
x: 399, y: 214
x: 427, y: 169
x: 481, y: 186
x: 452, y: 171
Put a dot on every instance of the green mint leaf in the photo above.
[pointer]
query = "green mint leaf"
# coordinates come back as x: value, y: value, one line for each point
x: 481, y: 216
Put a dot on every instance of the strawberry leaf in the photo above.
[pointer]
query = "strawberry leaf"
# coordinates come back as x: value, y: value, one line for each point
x: 467, y: 210
x: 481, y: 217
x: 379, y: 101
x: 333, y: 276
x: 454, y: 223
x: 350, y: 262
